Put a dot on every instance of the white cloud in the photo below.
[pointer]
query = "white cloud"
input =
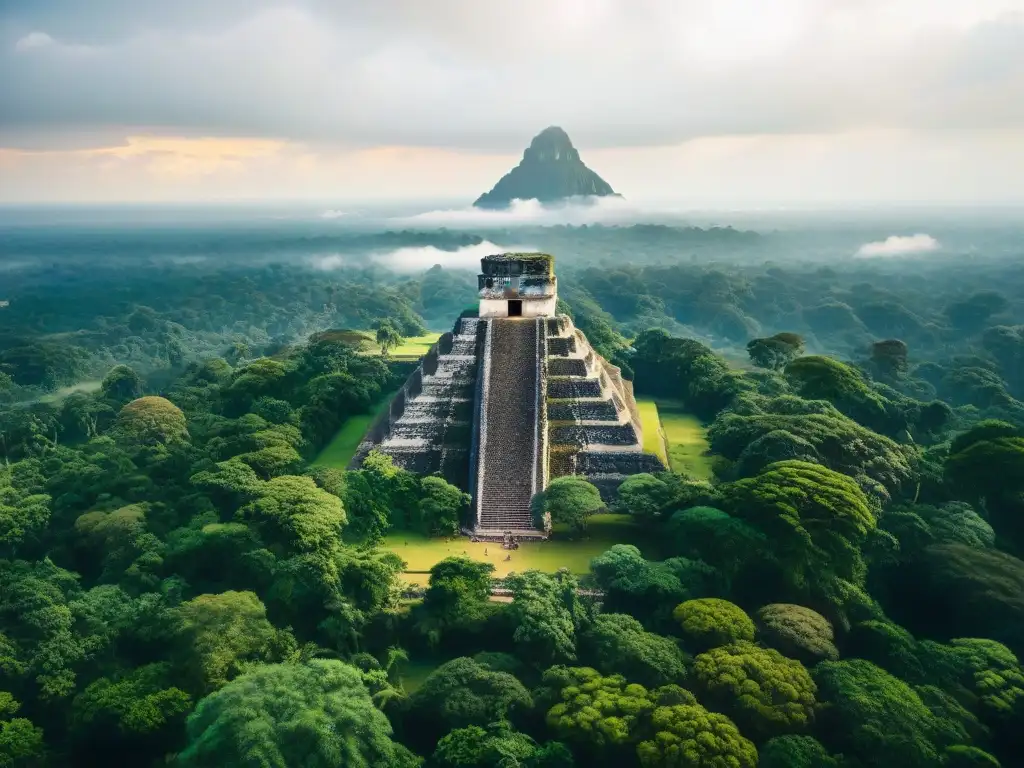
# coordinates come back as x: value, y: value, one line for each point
x: 453, y: 73
x: 577, y: 211
x: 467, y: 257
x: 33, y: 40
x: 899, y: 245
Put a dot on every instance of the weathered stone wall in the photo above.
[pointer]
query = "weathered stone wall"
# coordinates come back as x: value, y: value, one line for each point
x: 427, y: 427
x: 595, y: 429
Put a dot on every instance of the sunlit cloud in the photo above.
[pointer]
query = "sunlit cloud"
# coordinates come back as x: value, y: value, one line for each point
x: 899, y: 245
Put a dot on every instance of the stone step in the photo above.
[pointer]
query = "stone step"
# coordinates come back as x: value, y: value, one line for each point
x: 506, y: 485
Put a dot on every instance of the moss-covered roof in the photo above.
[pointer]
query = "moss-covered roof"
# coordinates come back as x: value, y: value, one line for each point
x: 533, y: 263
x: 511, y: 256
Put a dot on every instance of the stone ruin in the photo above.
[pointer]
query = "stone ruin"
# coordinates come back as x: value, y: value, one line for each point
x: 510, y: 399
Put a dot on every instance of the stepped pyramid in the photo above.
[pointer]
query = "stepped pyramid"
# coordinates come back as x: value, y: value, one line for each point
x: 510, y: 399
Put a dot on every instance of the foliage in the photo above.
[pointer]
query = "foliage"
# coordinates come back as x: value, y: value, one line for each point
x: 816, y: 518
x: 775, y: 352
x: 151, y: 421
x: 618, y: 643
x: 797, y: 632
x: 874, y: 716
x: 766, y: 693
x: 442, y: 506
x: 497, y: 745
x: 546, y: 612
x: 710, y: 622
x: 595, y: 712
x: 687, y: 734
x: 644, y: 589
x: 567, y: 501
x: 795, y: 752
x: 461, y: 693
x: 220, y: 633
x: 315, y: 714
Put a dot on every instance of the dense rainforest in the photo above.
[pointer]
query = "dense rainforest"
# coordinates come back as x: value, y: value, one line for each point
x: 179, y: 585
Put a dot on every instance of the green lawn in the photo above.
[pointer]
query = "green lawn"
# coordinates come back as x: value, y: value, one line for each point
x: 421, y: 553
x: 339, y: 452
x: 654, y: 437
x: 413, y: 347
x: 687, y: 440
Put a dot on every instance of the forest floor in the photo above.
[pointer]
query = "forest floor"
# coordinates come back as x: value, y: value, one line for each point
x: 339, y: 452
x: 667, y: 424
x: 421, y: 553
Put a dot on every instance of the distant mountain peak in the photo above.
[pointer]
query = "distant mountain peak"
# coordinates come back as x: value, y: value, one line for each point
x: 551, y: 170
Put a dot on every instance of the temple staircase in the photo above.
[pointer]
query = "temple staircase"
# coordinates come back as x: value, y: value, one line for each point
x: 510, y: 465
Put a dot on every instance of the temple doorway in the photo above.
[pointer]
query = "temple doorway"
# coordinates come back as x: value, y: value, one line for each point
x: 515, y: 308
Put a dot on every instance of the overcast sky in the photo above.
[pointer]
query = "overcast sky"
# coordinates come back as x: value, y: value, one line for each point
x: 700, y: 102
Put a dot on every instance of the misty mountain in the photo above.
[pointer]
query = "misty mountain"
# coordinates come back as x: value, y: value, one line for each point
x: 551, y: 170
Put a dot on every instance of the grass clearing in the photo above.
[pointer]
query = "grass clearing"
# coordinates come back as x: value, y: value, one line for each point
x: 422, y: 553
x: 650, y: 422
x: 414, y: 347
x: 687, y: 441
x: 339, y: 452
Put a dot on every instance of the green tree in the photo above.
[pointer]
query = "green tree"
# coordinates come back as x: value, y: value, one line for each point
x: 797, y: 632
x: 775, y: 352
x: 441, y: 507
x: 151, y: 421
x: 24, y: 515
x: 618, y: 644
x: 643, y: 495
x: 456, y: 583
x: 710, y: 534
x: 874, y: 716
x: 593, y: 712
x: 497, y: 745
x: 795, y: 752
x: 816, y: 518
x: 816, y: 377
x: 688, y: 735
x: 119, y: 546
x: 710, y: 622
x: 21, y: 742
x: 140, y: 711
x: 220, y: 633
x: 387, y: 337
x: 567, y: 501
x: 316, y: 714
x: 458, y: 694
x: 645, y: 589
x: 766, y: 693
x: 121, y: 384
x: 546, y: 612
x: 822, y: 434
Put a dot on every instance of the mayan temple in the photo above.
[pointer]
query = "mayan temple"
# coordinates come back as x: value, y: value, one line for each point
x: 510, y: 399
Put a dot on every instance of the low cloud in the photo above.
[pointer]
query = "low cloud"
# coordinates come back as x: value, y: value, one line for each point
x: 577, y: 211
x: 899, y: 245
x: 417, y: 258
x: 467, y: 257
